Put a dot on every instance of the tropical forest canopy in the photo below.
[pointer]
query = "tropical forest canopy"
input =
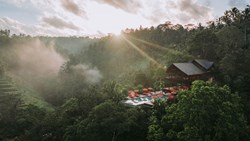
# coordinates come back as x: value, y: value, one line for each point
x: 70, y: 88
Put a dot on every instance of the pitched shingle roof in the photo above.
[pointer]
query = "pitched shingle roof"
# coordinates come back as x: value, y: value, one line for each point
x: 204, y: 63
x: 188, y: 68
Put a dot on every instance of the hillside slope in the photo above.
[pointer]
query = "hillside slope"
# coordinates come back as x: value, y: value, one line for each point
x: 27, y: 96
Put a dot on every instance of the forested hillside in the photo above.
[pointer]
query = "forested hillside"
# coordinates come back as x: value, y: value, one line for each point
x: 70, y: 88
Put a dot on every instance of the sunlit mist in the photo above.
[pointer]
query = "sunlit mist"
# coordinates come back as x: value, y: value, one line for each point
x: 142, y: 52
x: 156, y: 45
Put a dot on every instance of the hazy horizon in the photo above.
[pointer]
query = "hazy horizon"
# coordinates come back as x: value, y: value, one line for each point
x: 98, y: 18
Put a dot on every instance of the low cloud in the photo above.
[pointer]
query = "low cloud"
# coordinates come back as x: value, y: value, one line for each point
x: 100, y: 33
x: 90, y: 75
x: 193, y: 10
x: 131, y: 6
x: 156, y: 16
x: 14, y: 26
x: 72, y: 7
x: 179, y: 11
x: 184, y: 18
x: 38, y: 58
x: 59, y: 23
x: 17, y: 27
x: 238, y: 3
x: 33, y: 61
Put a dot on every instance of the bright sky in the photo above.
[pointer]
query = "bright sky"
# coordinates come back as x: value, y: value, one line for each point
x: 100, y: 17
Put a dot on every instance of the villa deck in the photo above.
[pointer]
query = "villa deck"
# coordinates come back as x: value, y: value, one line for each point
x: 149, y: 96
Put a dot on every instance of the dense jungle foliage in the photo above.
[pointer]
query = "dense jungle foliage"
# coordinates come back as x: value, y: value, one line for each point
x: 70, y: 88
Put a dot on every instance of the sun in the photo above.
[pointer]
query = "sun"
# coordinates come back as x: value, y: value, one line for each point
x: 117, y: 33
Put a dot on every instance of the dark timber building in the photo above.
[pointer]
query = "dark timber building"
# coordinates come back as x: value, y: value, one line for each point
x: 197, y: 69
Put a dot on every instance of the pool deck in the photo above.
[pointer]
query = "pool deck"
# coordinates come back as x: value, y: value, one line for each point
x: 146, y: 99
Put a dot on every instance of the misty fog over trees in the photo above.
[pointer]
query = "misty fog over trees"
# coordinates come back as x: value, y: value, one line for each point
x: 70, y: 88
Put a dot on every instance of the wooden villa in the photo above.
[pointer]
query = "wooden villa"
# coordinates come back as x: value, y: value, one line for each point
x: 198, y: 69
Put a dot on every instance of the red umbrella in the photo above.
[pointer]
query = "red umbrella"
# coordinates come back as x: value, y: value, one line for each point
x: 150, y: 89
x: 174, y: 93
x: 130, y: 91
x: 160, y: 94
x: 145, y: 93
x: 171, y: 97
x: 154, y: 96
x: 136, y: 95
x: 131, y: 95
x: 136, y: 91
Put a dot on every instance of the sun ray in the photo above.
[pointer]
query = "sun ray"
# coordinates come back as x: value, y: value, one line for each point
x: 158, y: 46
x: 142, y: 52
